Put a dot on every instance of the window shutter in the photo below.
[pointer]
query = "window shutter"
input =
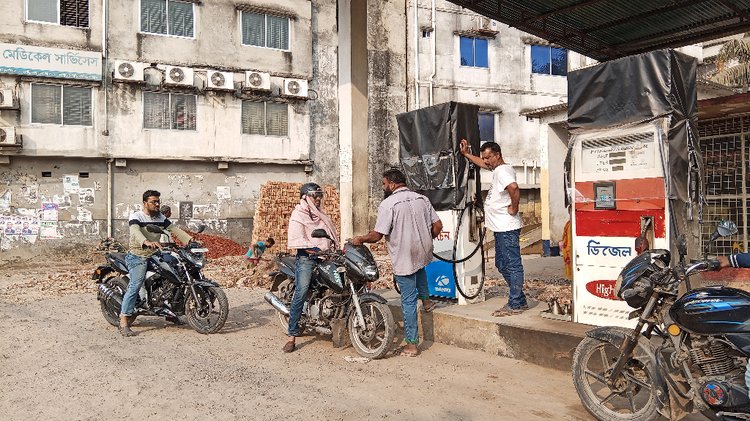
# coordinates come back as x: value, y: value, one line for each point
x: 74, y: 13
x: 277, y: 119
x: 180, y: 19
x: 183, y: 112
x: 155, y: 110
x: 253, y: 29
x: 252, y: 117
x: 278, y: 32
x: 42, y: 10
x: 45, y: 104
x: 154, y: 16
x: 76, y: 106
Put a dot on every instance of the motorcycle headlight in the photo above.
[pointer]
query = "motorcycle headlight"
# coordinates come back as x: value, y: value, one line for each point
x: 371, y: 272
x: 196, y: 256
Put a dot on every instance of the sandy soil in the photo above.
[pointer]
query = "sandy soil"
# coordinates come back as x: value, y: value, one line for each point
x: 59, y: 359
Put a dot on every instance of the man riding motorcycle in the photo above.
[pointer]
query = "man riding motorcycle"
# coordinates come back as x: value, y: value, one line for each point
x: 142, y: 244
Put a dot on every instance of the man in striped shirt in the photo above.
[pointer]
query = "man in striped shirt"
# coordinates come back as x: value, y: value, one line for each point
x: 142, y: 245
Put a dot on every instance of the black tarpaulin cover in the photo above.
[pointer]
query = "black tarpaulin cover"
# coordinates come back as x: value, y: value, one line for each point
x: 638, y: 89
x: 429, y: 139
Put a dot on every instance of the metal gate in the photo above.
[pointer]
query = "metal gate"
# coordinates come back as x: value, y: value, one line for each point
x: 724, y: 145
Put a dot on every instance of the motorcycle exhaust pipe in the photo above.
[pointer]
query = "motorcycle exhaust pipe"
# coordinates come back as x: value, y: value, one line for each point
x: 276, y: 303
x: 109, y: 294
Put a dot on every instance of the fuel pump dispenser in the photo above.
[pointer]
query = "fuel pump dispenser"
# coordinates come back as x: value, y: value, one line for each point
x: 430, y: 158
x: 633, y: 172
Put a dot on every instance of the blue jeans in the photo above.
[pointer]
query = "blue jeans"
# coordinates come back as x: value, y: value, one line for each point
x: 508, y: 263
x: 412, y: 287
x: 302, y: 276
x: 137, y: 273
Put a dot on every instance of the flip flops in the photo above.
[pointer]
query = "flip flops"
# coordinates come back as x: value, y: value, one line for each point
x: 404, y: 353
x: 507, y: 311
x: 429, y: 307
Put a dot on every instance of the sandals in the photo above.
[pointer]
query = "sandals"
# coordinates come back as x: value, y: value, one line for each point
x: 126, y: 332
x: 404, y: 353
x: 429, y: 307
x: 507, y: 311
x: 124, y: 328
x: 289, y: 347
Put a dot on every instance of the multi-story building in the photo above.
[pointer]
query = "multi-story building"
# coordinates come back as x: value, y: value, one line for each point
x: 201, y: 100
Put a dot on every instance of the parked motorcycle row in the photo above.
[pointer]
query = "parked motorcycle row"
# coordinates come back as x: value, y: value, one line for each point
x: 339, y: 301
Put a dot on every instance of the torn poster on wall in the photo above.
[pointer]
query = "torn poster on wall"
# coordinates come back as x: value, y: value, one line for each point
x: 5, y: 201
x: 86, y: 196
x: 19, y: 228
x: 223, y: 193
x: 84, y: 214
x: 63, y: 202
x: 30, y: 192
x: 49, y: 211
x: 48, y: 230
x: 70, y: 184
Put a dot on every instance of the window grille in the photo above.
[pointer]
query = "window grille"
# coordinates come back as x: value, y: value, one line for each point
x: 168, y: 17
x: 167, y: 111
x: 263, y: 30
x: 62, y: 12
x: 265, y: 118
x: 56, y: 104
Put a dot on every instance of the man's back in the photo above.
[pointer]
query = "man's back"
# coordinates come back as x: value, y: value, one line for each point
x: 405, y: 218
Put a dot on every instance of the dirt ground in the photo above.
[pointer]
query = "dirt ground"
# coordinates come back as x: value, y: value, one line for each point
x: 59, y: 359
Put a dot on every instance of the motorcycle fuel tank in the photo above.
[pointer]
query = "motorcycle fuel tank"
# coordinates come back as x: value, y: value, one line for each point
x: 713, y: 310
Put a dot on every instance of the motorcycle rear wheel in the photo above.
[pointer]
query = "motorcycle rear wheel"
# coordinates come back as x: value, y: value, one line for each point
x: 374, y: 340
x: 285, y: 293
x: 636, y: 396
x: 210, y: 316
x: 110, y: 309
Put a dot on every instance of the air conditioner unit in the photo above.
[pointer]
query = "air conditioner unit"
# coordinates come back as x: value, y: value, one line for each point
x: 296, y: 88
x: 128, y: 71
x: 8, y: 99
x: 220, y: 80
x: 258, y: 81
x: 7, y: 136
x: 182, y: 76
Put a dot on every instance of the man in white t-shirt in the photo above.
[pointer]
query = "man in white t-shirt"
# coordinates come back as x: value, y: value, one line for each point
x: 502, y: 218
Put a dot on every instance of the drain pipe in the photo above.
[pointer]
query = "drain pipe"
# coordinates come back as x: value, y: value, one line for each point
x: 416, y: 54
x: 110, y: 182
x: 525, y: 171
x: 533, y: 171
x: 434, y: 51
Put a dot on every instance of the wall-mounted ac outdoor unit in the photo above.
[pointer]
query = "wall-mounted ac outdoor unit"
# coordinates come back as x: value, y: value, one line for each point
x: 128, y: 71
x: 8, y: 99
x: 257, y: 81
x: 296, y: 88
x: 180, y: 76
x: 220, y: 80
x: 7, y: 136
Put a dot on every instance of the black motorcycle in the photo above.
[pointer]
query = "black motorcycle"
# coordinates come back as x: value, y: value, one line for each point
x: 687, y: 353
x: 338, y: 299
x: 174, y: 286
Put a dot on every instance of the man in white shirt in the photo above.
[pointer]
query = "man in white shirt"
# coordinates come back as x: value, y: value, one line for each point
x: 502, y: 218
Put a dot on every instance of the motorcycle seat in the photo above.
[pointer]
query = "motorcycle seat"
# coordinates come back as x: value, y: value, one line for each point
x: 289, y: 261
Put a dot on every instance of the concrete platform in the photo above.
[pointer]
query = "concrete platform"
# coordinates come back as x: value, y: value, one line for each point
x: 527, y: 336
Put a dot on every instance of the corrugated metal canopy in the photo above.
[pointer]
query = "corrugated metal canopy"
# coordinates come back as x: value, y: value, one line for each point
x: 607, y: 29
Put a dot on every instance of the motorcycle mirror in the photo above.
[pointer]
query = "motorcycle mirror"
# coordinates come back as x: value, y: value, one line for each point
x: 320, y: 233
x: 153, y: 228
x: 200, y: 229
x: 723, y: 229
x: 726, y: 228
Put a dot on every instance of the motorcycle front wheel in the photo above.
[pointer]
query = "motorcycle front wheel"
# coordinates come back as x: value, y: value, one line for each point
x: 209, y: 314
x: 374, y: 339
x: 633, y: 396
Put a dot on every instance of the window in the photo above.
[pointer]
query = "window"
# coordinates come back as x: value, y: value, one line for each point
x: 61, y: 12
x: 169, y: 111
x: 168, y: 17
x: 56, y: 104
x: 263, y: 30
x: 549, y: 60
x: 486, y: 127
x: 474, y: 52
x: 265, y: 118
